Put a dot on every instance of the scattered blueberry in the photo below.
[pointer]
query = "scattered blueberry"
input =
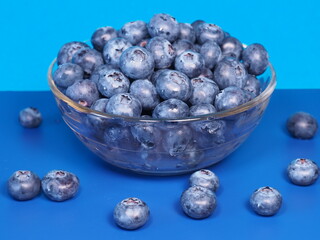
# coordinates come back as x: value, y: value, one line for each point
x: 59, y: 185
x: 230, y: 97
x: 208, y: 31
x: 211, y: 53
x: 187, y: 32
x: 256, y: 58
x: 202, y: 109
x: 164, y: 25
x: 84, y: 92
x: 190, y: 63
x: 302, y: 125
x: 24, y: 185
x: 30, y: 117
x: 124, y: 104
x: 113, y: 50
x: 66, y: 74
x: 182, y: 45
x: 303, y: 171
x: 67, y: 51
x: 231, y: 47
x: 198, y: 202
x: 162, y: 52
x: 171, y: 109
x: 89, y: 59
x: 134, y: 32
x: 266, y: 201
x: 101, y: 36
x: 205, y: 178
x: 173, y: 84
x: 204, y: 90
x: 137, y: 63
x: 131, y: 213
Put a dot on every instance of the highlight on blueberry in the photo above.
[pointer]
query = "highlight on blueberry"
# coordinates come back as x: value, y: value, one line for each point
x: 302, y: 125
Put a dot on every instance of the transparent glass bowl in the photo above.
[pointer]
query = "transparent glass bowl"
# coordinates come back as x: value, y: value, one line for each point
x: 166, y: 146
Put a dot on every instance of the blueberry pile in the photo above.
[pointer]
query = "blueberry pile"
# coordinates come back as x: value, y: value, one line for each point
x: 161, y: 69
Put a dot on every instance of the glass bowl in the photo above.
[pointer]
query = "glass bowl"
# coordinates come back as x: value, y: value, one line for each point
x: 164, y: 146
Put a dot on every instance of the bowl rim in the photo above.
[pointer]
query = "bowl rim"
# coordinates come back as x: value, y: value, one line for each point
x: 263, y: 96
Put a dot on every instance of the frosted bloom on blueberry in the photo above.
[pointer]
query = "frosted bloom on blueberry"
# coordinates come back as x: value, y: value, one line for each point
x: 303, y: 171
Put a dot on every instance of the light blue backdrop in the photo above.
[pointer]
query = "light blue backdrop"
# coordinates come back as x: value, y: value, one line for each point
x: 33, y: 31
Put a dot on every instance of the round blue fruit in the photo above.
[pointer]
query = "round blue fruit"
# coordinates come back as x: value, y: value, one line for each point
x: 303, y: 171
x: 124, y: 104
x: 302, y: 125
x: 189, y: 63
x: 101, y: 36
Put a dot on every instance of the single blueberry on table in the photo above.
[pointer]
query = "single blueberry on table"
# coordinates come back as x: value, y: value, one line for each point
x: 230, y: 72
x: 173, y: 84
x: 60, y: 185
x: 211, y: 53
x: 100, y: 72
x: 182, y: 45
x: 198, y: 202
x: 187, y: 32
x: 171, y: 109
x: 164, y: 25
x: 252, y: 85
x: 30, y: 117
x: 204, y: 90
x: 230, y: 97
x: 189, y: 63
x: 303, y: 171
x: 113, y: 82
x: 124, y: 104
x: 88, y: 59
x: 302, y: 125
x: 66, y: 74
x: 24, y: 185
x: 266, y: 201
x: 162, y: 52
x: 84, y: 92
x: 256, y: 58
x: 113, y: 50
x: 137, y: 63
x: 134, y: 32
x: 231, y: 47
x: 131, y: 213
x: 202, y: 109
x: 205, y: 178
x: 146, y: 92
x: 101, y: 36
x: 208, y: 31
x: 67, y: 51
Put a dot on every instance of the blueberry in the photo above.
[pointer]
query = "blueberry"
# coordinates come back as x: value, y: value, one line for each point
x: 30, y: 117
x: 131, y: 213
x: 164, y: 25
x: 211, y: 53
x: 101, y: 36
x: 256, y: 58
x: 171, y: 108
x: 302, y: 125
x: 147, y: 134
x: 67, y: 51
x: 120, y: 137
x: 198, y: 202
x: 207, y: 73
x: 303, y: 172
x: 59, y: 185
x: 162, y: 52
x: 113, y: 50
x: 24, y: 185
x: 66, y: 74
x: 196, y: 23
x: 202, y: 109
x: 190, y: 63
x: 87, y: 58
x: 266, y: 201
x: 205, y: 178
x: 100, y: 72
x: 187, y: 32
x: 137, y: 63
x: 156, y: 74
x: 124, y: 104
x: 182, y: 45
x: 134, y: 32
x: 204, y: 90
x: 84, y: 92
x: 97, y: 122
x: 231, y: 47
x: 113, y: 82
x: 173, y: 84
x: 146, y: 92
x: 176, y: 141
x: 197, y: 47
x: 230, y: 97
x: 230, y: 72
x: 208, y: 31
x: 252, y: 85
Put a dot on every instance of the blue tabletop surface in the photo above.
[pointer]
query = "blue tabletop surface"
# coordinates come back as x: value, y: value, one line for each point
x: 260, y: 161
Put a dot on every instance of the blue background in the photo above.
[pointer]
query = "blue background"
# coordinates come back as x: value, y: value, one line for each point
x: 33, y: 31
